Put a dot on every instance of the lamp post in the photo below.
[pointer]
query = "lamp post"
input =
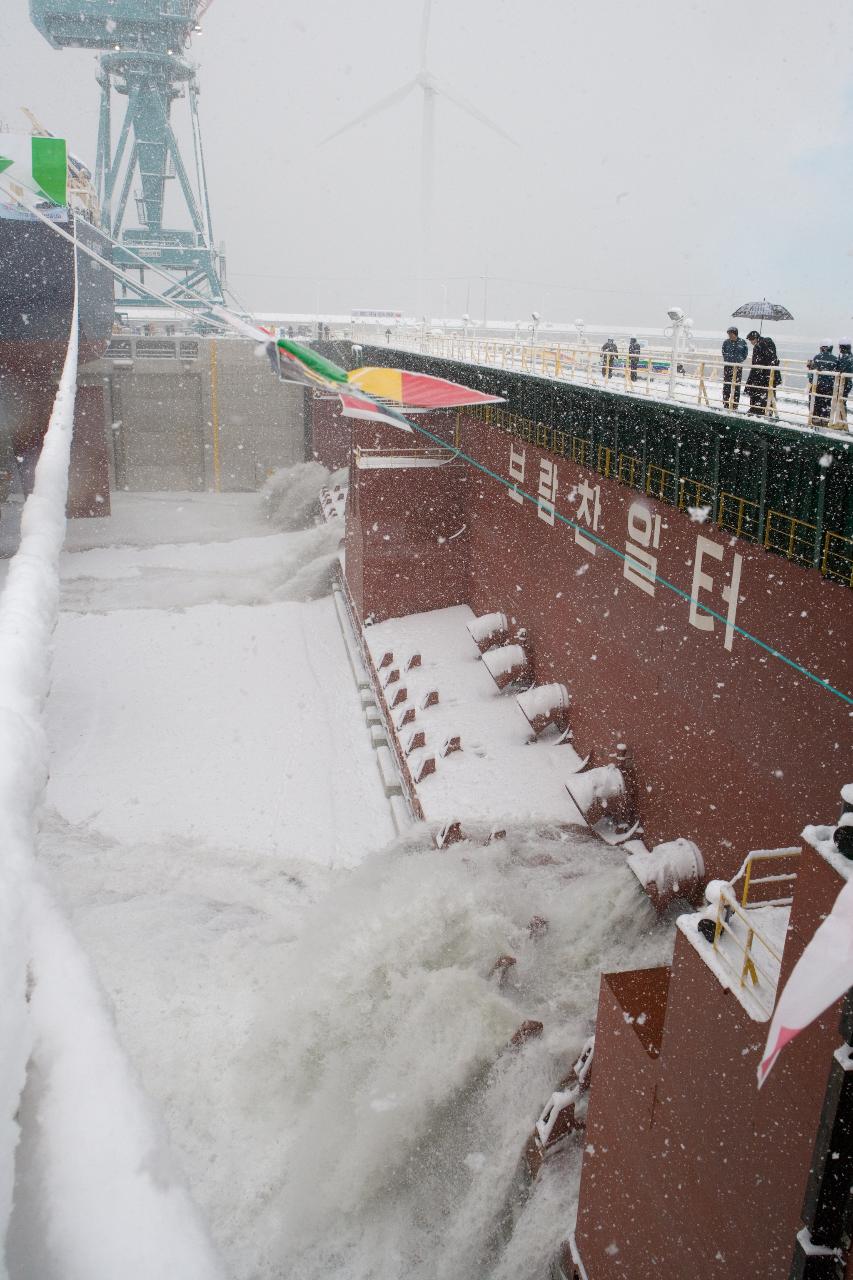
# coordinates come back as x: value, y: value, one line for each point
x: 580, y: 327
x: 466, y: 320
x: 676, y: 315
x: 534, y: 315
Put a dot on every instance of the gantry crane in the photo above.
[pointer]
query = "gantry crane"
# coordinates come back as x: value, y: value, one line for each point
x: 143, y: 44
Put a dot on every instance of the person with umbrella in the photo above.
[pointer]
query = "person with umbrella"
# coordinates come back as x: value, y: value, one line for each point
x: 824, y: 367
x: 735, y: 352
x: 763, y: 376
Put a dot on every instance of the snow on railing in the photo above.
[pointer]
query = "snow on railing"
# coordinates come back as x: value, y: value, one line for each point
x: 106, y: 1199
x: 797, y: 395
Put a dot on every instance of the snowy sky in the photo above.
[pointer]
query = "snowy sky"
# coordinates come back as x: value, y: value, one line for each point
x: 689, y: 153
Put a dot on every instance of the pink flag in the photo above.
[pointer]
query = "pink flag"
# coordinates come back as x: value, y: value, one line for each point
x: 356, y: 406
x: 821, y: 975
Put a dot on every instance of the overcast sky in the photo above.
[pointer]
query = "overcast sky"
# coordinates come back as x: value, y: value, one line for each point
x: 690, y: 153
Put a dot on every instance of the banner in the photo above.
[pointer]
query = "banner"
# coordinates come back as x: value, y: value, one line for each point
x: 821, y: 975
x: 34, y: 169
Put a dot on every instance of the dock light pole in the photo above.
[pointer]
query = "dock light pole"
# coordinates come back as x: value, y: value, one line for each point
x: 535, y: 317
x: 676, y: 315
x: 580, y: 326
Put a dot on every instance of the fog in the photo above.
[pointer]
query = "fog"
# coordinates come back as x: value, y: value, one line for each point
x: 680, y: 153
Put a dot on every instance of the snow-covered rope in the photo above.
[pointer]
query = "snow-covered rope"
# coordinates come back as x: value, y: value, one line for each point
x: 101, y: 1196
x: 28, y: 610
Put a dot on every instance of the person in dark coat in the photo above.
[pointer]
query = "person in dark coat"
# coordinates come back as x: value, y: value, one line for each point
x: 609, y: 351
x: 634, y: 361
x: 735, y: 352
x: 845, y: 366
x: 824, y: 366
x: 763, y: 375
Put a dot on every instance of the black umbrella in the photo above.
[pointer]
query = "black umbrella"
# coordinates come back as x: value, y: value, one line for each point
x: 763, y: 310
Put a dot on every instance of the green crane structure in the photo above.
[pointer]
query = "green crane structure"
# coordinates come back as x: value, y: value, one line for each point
x: 143, y: 44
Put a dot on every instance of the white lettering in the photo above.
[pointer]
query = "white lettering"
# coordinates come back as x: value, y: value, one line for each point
x: 547, y: 491
x: 704, y: 582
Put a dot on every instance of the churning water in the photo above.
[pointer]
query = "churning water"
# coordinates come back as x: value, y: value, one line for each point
x: 381, y: 1046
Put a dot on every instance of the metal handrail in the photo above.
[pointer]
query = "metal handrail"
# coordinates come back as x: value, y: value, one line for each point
x: 727, y: 905
x: 766, y: 855
x: 699, y: 379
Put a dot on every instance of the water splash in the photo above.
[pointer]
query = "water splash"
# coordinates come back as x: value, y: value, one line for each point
x: 381, y: 1046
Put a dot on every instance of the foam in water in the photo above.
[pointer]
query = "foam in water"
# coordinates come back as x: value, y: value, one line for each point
x: 365, y: 1119
x: 381, y: 1048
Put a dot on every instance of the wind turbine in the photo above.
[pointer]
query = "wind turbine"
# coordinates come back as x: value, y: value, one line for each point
x: 431, y: 88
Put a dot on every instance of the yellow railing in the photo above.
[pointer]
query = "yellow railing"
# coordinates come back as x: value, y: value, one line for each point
x: 751, y: 881
x: 628, y: 469
x: 700, y: 376
x: 694, y: 493
x: 736, y: 514
x: 580, y: 450
x: 837, y: 561
x: 790, y: 536
x: 787, y: 535
x: 750, y: 964
x: 660, y: 483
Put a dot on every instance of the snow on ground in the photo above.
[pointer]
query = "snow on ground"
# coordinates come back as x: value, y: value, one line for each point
x: 305, y: 999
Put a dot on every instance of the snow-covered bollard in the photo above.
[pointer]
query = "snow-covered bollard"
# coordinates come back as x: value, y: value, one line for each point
x: 544, y: 705
x: 674, y: 869
x: 507, y: 664
x: 488, y: 629
x: 604, y: 794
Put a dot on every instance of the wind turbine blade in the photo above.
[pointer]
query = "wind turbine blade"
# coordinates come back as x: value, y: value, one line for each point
x: 471, y: 110
x: 382, y: 105
x: 425, y: 33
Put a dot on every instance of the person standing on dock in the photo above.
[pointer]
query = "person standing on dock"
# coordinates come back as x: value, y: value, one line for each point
x: 609, y: 351
x: 845, y: 366
x: 735, y: 352
x: 824, y: 367
x: 634, y: 353
x: 763, y: 376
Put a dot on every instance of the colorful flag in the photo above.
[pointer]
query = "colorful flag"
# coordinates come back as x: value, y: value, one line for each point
x: 37, y: 166
x: 820, y: 977
x: 368, y: 393
x: 306, y: 363
x: 417, y: 390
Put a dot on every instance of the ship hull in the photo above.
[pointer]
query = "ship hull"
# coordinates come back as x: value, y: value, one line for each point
x: 36, y: 305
